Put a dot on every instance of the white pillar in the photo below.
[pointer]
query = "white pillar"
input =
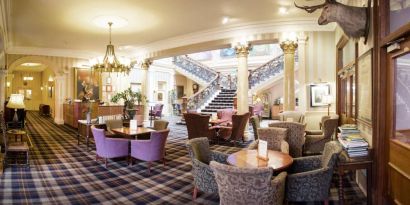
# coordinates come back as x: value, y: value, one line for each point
x: 3, y: 74
x: 303, y: 102
x: 242, y: 52
x: 289, y: 48
x: 60, y: 93
x: 144, y: 85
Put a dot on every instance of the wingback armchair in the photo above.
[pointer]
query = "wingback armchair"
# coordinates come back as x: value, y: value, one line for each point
x: 156, y: 111
x: 275, y: 138
x: 295, y: 136
x: 201, y: 155
x: 198, y: 126
x: 256, y: 124
x: 316, y: 140
x: 237, y: 131
x: 226, y: 114
x: 150, y: 150
x: 108, y: 148
x: 309, y: 177
x: 296, y: 116
x: 248, y: 185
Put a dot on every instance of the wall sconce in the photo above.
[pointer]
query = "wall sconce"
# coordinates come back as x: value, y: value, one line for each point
x: 50, y: 79
x: 8, y: 84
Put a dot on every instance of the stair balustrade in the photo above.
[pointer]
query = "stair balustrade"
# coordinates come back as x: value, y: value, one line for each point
x: 267, y: 70
x: 203, y: 95
x: 228, y: 81
x: 195, y: 68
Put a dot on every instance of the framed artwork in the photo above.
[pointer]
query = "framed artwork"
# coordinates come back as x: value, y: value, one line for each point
x: 364, y: 87
x: 50, y: 91
x: 28, y: 94
x: 87, y: 84
x: 160, y: 96
x: 317, y: 92
x: 180, y: 91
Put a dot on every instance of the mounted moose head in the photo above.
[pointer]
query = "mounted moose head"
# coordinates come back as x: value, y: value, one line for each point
x: 353, y: 20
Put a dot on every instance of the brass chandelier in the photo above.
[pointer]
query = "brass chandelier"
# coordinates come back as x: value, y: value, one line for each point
x: 110, y: 62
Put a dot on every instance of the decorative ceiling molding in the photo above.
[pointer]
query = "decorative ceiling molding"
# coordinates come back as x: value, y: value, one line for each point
x: 52, y: 52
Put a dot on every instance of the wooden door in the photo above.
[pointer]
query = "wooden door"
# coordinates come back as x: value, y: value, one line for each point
x: 398, y: 109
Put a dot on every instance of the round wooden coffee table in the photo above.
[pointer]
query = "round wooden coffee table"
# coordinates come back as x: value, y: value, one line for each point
x: 248, y: 159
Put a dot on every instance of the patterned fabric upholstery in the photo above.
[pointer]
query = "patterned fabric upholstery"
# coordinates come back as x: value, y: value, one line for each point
x: 295, y: 115
x: 248, y: 186
x: 311, y: 176
x: 295, y: 137
x: 255, y: 124
x: 275, y: 138
x: 160, y: 124
x: 315, y: 143
x: 204, y: 178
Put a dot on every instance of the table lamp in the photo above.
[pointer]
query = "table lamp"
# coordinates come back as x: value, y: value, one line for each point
x: 17, y: 102
x: 327, y: 99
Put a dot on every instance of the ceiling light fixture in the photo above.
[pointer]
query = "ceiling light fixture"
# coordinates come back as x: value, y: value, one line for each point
x: 283, y: 10
x: 110, y: 62
x: 225, y: 20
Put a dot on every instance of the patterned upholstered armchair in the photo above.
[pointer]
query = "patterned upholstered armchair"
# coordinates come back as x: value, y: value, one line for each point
x: 248, y: 185
x: 256, y: 124
x: 310, y: 177
x: 201, y: 155
x: 226, y: 114
x: 237, y: 131
x: 295, y: 137
x: 275, y: 138
x: 316, y: 140
x: 296, y: 116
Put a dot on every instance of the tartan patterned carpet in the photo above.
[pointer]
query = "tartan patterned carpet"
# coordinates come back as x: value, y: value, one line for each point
x: 61, y: 172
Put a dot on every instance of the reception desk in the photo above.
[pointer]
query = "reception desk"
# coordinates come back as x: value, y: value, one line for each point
x: 77, y: 111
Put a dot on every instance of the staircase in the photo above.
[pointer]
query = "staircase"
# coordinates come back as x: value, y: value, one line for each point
x: 223, y: 100
x: 194, y: 70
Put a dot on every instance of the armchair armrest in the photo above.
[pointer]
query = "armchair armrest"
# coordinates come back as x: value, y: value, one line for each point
x: 314, y: 132
x: 204, y: 177
x: 219, y: 157
x: 284, y: 147
x: 304, y: 164
x: 313, y: 185
x: 278, y: 187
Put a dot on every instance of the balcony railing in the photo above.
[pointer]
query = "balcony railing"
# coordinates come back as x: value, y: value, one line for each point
x: 195, y: 68
x: 267, y: 70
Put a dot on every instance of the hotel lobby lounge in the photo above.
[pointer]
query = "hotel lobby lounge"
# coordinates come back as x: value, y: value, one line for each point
x: 204, y: 102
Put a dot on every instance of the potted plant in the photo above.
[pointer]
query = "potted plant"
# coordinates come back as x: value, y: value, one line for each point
x: 130, y: 98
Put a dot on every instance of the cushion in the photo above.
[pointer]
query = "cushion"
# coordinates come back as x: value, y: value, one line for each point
x: 201, y: 153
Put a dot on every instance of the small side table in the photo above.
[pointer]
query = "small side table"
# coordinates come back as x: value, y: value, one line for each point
x: 17, y: 133
x: 347, y: 163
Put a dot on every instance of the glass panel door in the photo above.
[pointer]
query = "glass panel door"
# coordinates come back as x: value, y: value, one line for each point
x: 402, y: 98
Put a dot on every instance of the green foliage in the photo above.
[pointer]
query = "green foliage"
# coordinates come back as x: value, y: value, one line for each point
x: 129, y: 97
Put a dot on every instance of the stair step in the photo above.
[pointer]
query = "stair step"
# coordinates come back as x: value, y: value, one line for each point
x: 220, y: 104
x: 217, y: 107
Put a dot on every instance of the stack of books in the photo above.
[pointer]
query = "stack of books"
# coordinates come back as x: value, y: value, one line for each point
x: 351, y: 140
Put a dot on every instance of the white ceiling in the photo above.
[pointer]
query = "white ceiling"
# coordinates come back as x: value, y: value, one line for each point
x: 67, y: 24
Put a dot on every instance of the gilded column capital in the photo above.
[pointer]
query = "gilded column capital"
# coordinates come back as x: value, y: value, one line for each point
x: 289, y: 47
x: 146, y: 63
x: 242, y: 50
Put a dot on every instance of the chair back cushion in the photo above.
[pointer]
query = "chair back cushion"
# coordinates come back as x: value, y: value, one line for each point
x: 226, y: 114
x: 274, y: 136
x: 197, y: 125
x: 331, y: 154
x: 158, y: 141
x: 295, y: 136
x: 238, y: 126
x: 160, y: 124
x: 198, y: 149
x: 296, y: 116
x: 99, y: 138
x: 255, y: 125
x: 113, y: 124
x: 243, y: 185
x: 329, y: 126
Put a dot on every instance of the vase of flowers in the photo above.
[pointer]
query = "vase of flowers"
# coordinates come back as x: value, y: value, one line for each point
x: 129, y: 98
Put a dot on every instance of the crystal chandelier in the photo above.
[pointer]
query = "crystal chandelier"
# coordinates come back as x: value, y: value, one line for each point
x: 110, y: 63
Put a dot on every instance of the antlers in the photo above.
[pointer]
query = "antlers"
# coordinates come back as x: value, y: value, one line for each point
x: 311, y: 9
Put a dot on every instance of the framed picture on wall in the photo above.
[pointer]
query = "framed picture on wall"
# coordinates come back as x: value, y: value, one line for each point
x: 86, y: 84
x: 317, y: 93
x: 364, y: 87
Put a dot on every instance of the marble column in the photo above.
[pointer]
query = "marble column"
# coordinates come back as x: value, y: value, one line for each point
x: 60, y: 94
x: 302, y: 75
x: 3, y: 81
x: 289, y: 48
x: 242, y: 52
x: 144, y: 84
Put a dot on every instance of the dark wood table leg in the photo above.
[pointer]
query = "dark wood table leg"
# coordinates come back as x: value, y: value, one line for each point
x: 341, y: 194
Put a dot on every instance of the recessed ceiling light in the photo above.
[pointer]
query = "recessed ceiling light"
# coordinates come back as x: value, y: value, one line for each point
x: 117, y: 22
x: 225, y: 20
x: 283, y: 10
x: 31, y: 64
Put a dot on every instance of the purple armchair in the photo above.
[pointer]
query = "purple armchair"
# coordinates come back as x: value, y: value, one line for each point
x: 156, y: 111
x: 108, y: 148
x: 226, y: 114
x: 258, y: 109
x: 150, y: 150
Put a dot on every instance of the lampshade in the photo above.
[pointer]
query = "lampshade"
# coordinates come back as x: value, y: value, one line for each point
x: 327, y: 99
x: 16, y: 101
